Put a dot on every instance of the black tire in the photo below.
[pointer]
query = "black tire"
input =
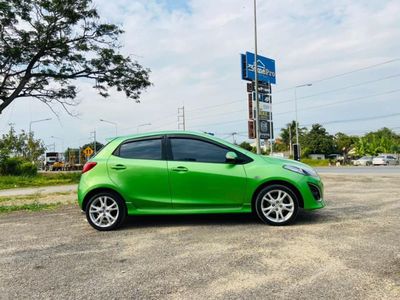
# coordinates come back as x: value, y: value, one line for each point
x: 110, y: 197
x: 273, y: 190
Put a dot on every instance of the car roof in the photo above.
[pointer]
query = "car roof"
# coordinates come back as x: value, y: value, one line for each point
x: 166, y: 132
x: 120, y: 139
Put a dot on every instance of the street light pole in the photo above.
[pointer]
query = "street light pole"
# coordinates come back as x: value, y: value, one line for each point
x: 36, y: 121
x: 62, y: 142
x: 113, y: 123
x: 297, y: 122
x: 141, y: 125
x: 256, y: 81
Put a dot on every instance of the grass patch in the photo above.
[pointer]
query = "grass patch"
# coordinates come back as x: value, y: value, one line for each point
x: 315, y: 162
x: 29, y: 207
x: 41, y: 179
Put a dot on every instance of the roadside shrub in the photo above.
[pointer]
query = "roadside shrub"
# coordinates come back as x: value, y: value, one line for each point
x: 10, y: 166
x: 17, y: 166
x: 28, y: 169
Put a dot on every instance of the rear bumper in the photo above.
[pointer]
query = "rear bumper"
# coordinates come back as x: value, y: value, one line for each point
x: 82, y: 191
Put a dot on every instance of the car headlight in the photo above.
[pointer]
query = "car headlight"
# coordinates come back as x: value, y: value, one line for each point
x: 302, y: 171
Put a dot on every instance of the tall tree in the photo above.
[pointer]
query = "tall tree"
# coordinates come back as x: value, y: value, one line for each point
x: 46, y: 44
x: 344, y: 143
x: 318, y: 140
x: 381, y: 141
x: 21, y: 145
x: 288, y: 134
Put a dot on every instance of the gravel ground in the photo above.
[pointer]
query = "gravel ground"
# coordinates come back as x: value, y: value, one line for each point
x: 349, y: 250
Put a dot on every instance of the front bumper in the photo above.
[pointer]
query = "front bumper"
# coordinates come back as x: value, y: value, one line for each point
x: 312, y: 192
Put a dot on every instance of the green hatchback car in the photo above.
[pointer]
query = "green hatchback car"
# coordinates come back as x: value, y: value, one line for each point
x: 181, y: 172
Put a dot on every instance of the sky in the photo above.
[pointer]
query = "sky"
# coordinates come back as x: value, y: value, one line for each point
x: 348, y: 50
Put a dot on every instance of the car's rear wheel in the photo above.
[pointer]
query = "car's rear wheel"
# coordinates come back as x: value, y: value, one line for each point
x: 277, y: 205
x: 105, y: 211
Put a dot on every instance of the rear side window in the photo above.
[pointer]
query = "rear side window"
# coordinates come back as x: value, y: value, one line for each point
x: 184, y: 149
x: 145, y: 149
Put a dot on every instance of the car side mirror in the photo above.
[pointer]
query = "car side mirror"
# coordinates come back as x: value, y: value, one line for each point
x: 231, y: 157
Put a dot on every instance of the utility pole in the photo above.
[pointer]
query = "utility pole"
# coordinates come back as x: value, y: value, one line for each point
x: 270, y: 127
x: 94, y: 141
x: 181, y: 118
x: 256, y: 81
x: 94, y: 137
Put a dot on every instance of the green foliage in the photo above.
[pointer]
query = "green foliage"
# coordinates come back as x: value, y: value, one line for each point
x: 315, y: 162
x: 22, y: 145
x: 381, y: 141
x: 288, y: 134
x: 246, y: 146
x: 11, y: 166
x: 28, y: 169
x: 344, y: 143
x: 17, y: 166
x: 46, y: 44
x: 318, y: 140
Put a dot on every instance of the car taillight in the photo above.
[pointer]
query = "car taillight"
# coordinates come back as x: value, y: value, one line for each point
x: 88, y: 166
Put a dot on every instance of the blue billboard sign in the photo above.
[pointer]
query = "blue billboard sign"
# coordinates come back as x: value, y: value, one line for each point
x: 265, y: 68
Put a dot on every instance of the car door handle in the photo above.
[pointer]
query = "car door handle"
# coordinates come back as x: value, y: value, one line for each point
x: 180, y: 169
x: 118, y: 167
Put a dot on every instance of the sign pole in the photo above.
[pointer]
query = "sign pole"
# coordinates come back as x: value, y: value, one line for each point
x: 270, y: 126
x: 256, y: 81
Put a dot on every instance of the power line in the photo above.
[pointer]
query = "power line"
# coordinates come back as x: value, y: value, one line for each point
x: 321, y: 93
x: 342, y: 101
x: 358, y: 119
x: 315, y: 81
x: 312, y: 107
x: 326, y: 92
x: 357, y: 70
x: 343, y: 74
x: 340, y: 89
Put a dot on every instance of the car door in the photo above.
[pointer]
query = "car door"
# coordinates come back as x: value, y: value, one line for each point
x: 139, y: 168
x: 200, y: 177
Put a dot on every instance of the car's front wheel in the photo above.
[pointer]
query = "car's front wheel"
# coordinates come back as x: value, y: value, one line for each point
x: 105, y: 211
x: 277, y: 205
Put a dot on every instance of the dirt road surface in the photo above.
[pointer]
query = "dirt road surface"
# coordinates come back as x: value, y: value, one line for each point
x: 349, y: 250
x: 39, y: 190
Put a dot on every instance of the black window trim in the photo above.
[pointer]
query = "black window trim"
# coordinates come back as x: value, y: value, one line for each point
x: 144, y: 138
x: 244, y: 159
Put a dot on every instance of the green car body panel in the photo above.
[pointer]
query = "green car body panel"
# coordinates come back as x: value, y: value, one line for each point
x: 158, y: 187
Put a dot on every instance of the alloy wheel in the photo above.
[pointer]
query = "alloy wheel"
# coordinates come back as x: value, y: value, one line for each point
x: 277, y: 206
x: 104, y: 211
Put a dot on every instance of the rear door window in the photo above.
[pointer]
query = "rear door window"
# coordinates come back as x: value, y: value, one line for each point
x: 144, y: 149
